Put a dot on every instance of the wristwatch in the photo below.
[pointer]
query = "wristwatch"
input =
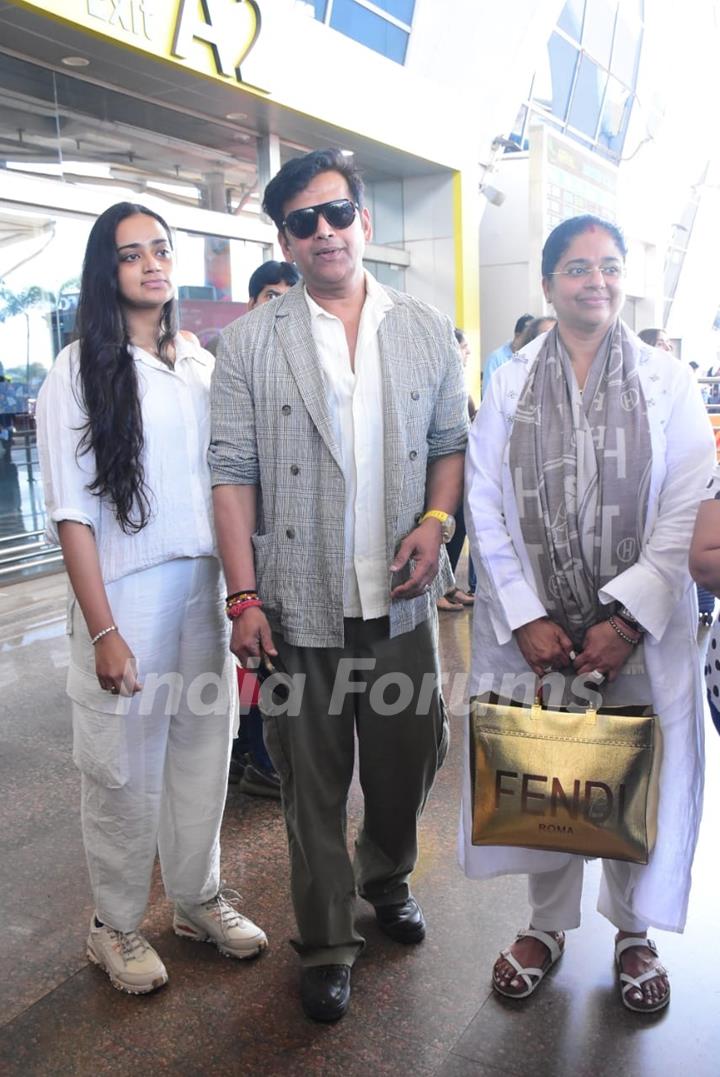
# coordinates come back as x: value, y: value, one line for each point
x: 447, y: 522
x: 628, y: 617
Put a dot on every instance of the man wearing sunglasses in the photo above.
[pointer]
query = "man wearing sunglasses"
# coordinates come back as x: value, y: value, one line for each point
x: 339, y: 428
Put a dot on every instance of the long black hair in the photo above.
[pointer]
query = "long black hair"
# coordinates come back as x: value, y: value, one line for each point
x: 108, y: 379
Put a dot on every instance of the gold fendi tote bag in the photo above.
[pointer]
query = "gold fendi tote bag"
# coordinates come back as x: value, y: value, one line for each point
x: 572, y: 782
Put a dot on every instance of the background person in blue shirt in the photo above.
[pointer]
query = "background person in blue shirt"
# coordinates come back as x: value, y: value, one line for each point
x: 503, y: 353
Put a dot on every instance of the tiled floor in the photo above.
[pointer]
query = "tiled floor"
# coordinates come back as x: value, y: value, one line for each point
x: 415, y: 1011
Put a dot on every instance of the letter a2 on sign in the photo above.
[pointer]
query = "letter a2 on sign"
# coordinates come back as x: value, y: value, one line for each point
x: 229, y: 27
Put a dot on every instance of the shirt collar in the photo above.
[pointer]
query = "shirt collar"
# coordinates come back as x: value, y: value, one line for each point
x: 376, y: 299
x: 185, y: 351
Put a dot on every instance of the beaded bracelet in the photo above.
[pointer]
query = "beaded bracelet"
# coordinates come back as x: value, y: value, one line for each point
x: 233, y: 612
x: 104, y: 632
x: 239, y: 596
x: 623, y: 635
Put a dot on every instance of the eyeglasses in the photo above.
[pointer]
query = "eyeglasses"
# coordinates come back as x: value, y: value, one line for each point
x: 609, y: 270
x: 340, y: 213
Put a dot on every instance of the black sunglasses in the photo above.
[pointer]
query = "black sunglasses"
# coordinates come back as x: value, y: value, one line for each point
x: 301, y: 223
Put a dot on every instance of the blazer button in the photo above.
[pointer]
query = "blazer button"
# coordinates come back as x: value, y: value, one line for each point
x: 413, y: 454
x: 286, y: 409
x: 294, y: 469
x: 414, y: 395
x: 290, y: 532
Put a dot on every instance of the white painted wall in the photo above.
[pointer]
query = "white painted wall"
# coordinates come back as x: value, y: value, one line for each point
x: 504, y: 268
x: 698, y: 295
x: 430, y: 241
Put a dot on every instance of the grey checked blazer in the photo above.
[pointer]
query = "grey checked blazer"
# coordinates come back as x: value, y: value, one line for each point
x: 271, y: 428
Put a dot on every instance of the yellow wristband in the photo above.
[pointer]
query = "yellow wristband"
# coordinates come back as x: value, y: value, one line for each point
x: 435, y: 514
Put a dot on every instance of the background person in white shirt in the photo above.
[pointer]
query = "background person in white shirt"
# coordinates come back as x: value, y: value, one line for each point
x: 123, y: 429
x: 657, y: 338
x: 339, y: 420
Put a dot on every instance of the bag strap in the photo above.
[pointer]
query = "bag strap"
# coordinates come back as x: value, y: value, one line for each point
x: 537, y: 710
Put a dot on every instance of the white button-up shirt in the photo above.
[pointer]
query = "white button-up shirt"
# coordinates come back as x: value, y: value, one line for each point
x: 355, y: 404
x: 176, y: 426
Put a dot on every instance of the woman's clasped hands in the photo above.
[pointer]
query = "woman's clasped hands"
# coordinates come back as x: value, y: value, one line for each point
x: 546, y: 647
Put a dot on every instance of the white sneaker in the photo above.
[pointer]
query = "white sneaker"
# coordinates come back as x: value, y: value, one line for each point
x: 127, y: 957
x: 219, y: 921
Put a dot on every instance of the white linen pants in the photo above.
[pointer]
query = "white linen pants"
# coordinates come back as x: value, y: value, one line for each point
x: 154, y: 767
x: 555, y: 896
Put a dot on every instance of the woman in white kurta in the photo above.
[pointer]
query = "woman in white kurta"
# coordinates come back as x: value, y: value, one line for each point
x: 123, y: 433
x: 607, y: 437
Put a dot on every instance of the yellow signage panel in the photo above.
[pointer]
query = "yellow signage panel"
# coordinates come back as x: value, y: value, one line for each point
x: 211, y: 37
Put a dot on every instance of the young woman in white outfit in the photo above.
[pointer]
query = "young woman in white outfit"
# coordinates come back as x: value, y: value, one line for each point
x: 123, y: 430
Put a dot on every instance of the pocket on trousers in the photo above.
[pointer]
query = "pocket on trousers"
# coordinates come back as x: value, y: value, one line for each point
x: 100, y: 747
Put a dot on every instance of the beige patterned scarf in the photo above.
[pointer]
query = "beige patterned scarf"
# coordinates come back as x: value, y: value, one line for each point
x: 580, y: 465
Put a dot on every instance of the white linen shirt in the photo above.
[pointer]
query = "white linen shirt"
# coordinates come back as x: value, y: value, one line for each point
x: 176, y: 425
x: 355, y: 405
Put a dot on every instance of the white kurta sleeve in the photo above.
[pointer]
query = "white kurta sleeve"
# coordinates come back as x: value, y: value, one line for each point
x: 66, y: 472
x: 652, y: 587
x: 509, y: 598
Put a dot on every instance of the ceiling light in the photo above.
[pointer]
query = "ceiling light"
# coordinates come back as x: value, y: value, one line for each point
x: 348, y: 153
x: 241, y: 136
x: 75, y: 61
x: 236, y: 116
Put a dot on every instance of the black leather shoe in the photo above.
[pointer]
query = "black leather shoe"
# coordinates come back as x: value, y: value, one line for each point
x: 403, y: 923
x: 325, y: 991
